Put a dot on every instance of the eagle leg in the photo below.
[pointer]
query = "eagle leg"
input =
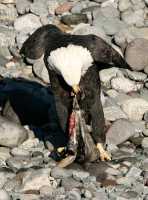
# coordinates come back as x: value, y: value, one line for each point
x: 104, y: 155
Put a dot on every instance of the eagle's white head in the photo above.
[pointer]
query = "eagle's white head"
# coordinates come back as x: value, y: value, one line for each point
x: 71, y: 62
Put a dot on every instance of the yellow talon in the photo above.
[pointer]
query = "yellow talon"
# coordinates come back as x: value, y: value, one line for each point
x: 103, y: 154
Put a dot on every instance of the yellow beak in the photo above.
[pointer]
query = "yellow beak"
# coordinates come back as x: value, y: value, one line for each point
x: 76, y: 88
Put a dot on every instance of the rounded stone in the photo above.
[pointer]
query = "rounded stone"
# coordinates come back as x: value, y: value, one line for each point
x: 4, y: 195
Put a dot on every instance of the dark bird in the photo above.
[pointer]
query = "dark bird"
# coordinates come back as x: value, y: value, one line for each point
x: 73, y: 63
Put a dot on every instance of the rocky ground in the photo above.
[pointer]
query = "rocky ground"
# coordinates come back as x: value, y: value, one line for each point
x: 26, y: 171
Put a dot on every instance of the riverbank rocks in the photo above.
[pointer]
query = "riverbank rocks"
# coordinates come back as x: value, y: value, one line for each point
x: 11, y: 134
x: 135, y: 108
x: 136, y: 54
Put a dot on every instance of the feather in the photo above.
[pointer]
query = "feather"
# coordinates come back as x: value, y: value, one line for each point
x: 71, y: 62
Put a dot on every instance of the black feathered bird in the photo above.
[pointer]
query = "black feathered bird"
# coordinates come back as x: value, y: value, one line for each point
x: 73, y: 62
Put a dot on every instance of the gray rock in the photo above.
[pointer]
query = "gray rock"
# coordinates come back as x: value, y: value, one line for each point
x: 31, y: 143
x: 35, y: 179
x: 52, y: 5
x: 46, y: 191
x: 133, y: 18
x: 4, y: 195
x: 27, y: 23
x: 112, y: 113
x: 87, y: 194
x: 109, y: 25
x: 8, y: 1
x: 77, y: 8
x: 70, y: 183
x: 84, y: 29
x: 121, y: 97
x: 144, y: 143
x: 130, y: 195
x: 144, y: 94
x: 8, y: 14
x: 17, y: 163
x: 20, y: 152
x: 134, y: 172
x: 135, y: 108
x: 136, y: 76
x: 107, y: 74
x: 125, y: 85
x: 26, y: 196
x: 4, y: 153
x: 123, y: 37
x: 74, y: 194
x: 80, y: 175
x: 23, y: 6
x: 146, y: 115
x: 39, y: 8
x: 7, y: 36
x: 119, y: 132
x: 145, y: 165
x: 20, y: 39
x: 17, y: 136
x: 40, y: 70
x: 112, y: 171
x: 110, y: 11
x: 3, y: 61
x: 124, y: 5
x: 60, y: 173
x: 5, y: 176
x: 136, y: 54
x: 74, y: 19
x: 4, y: 55
x: 146, y: 1
x: 127, y: 181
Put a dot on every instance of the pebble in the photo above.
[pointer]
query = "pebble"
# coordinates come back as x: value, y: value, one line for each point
x: 124, y: 5
x: 63, y: 8
x: 35, y: 179
x: 107, y: 74
x: 70, y: 183
x: 73, y: 19
x: 134, y: 172
x: 136, y: 54
x: 60, y: 173
x: 124, y: 85
x: 112, y: 113
x: 8, y: 14
x: 135, y: 108
x: 7, y: 36
x: 144, y: 143
x: 4, y: 153
x: 74, y: 194
x: 136, y: 76
x: 27, y: 23
x: 17, y: 136
x: 20, y: 152
x: 83, y: 29
x: 4, y: 195
x: 23, y: 6
x: 39, y: 8
x: 119, y: 132
x: 80, y: 175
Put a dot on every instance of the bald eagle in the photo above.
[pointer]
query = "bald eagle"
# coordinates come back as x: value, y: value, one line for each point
x: 73, y: 63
